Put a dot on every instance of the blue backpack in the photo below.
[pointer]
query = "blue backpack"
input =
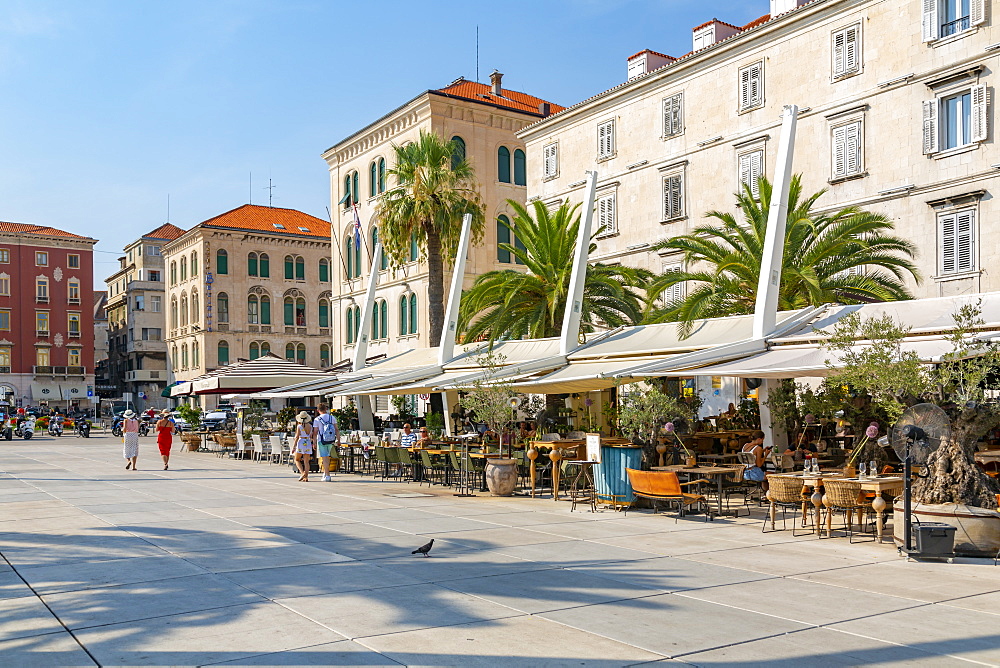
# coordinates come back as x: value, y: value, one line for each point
x: 329, y: 432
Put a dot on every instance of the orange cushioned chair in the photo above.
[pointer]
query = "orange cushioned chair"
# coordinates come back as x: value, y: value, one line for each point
x: 664, y: 486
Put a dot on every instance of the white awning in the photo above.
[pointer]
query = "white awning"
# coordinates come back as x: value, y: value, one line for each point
x: 579, y: 376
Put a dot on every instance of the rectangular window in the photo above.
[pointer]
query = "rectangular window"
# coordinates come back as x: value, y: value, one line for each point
x: 4, y: 256
x: 955, y: 120
x: 152, y: 250
x: 41, y: 259
x: 751, y: 166
x: 676, y: 291
x: 847, y: 150
x: 42, y: 357
x: 42, y: 322
x: 607, y: 220
x: 550, y: 158
x: 5, y: 359
x: 73, y: 292
x: 75, y: 357
x: 942, y: 18
x: 73, y: 322
x: 752, y: 86
x: 152, y: 334
x: 4, y: 285
x: 673, y: 115
x: 140, y: 303
x: 155, y: 304
x: 673, y: 196
x: 73, y: 261
x: 847, y: 51
x: 4, y: 320
x: 155, y: 276
x: 957, y: 241
x: 41, y: 289
x: 606, y: 140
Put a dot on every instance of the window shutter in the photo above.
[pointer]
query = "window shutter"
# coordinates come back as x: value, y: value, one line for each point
x: 675, y: 291
x: 980, y: 100
x: 930, y: 126
x: 840, y: 151
x: 673, y: 115
x: 751, y: 167
x: 977, y: 12
x: 606, y: 215
x: 551, y: 159
x: 948, y: 244
x: 606, y: 139
x: 839, y: 59
x: 745, y: 88
x: 852, y: 148
x: 673, y: 198
x: 929, y: 20
x: 851, y: 60
x: 752, y: 82
x: 964, y: 241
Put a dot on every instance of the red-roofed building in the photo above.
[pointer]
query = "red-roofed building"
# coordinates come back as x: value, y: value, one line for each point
x: 482, y: 119
x: 247, y: 282
x: 46, y: 324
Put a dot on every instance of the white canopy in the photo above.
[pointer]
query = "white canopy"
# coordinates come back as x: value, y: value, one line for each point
x: 263, y: 373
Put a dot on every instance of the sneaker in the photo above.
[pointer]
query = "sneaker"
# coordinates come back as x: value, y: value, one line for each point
x: 327, y: 478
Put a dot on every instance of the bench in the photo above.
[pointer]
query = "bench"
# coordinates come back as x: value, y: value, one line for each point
x: 664, y: 486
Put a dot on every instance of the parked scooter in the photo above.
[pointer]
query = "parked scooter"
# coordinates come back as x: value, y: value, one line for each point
x: 55, y: 425
x: 25, y: 427
x: 81, y: 426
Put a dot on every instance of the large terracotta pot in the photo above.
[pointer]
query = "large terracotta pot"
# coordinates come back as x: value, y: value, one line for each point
x: 977, y: 529
x: 501, y: 476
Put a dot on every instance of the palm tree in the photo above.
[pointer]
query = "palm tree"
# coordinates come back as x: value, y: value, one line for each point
x: 435, y: 187
x: 847, y: 256
x: 512, y: 304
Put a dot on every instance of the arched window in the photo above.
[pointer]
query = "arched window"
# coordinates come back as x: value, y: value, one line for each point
x: 520, y: 168
x: 184, y: 356
x: 353, y: 323
x: 194, y: 265
x: 300, y: 353
x: 383, y: 316
x: 253, y: 310
x: 373, y: 179
x: 174, y: 322
x: 222, y: 262
x: 503, y: 164
x: 222, y: 308
x: 264, y: 265
x: 503, y: 237
x: 184, y: 268
x: 381, y: 175
x: 195, y: 355
x: 413, y: 314
x: 355, y: 188
x: 457, y: 151
x: 404, y: 316
x: 173, y: 358
x: 290, y: 352
x: 223, y: 353
x: 324, y: 355
x: 414, y: 248
x: 254, y: 350
x: 265, y: 310
x: 184, y: 309
x: 289, y: 268
x: 265, y: 348
x: 324, y: 270
x: 324, y: 312
x: 300, y: 312
x: 352, y: 253
x: 300, y: 268
x: 352, y: 190
x: 375, y: 322
x: 173, y: 273
x: 252, y: 264
x: 195, y: 310
x: 384, y: 263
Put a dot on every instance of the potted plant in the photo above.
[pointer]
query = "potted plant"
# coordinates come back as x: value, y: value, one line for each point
x: 191, y: 415
x: 493, y: 402
x: 643, y: 413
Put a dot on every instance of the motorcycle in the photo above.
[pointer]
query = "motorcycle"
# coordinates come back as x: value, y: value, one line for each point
x: 7, y: 428
x: 25, y: 428
x: 116, y: 428
x: 82, y: 427
x: 55, y: 426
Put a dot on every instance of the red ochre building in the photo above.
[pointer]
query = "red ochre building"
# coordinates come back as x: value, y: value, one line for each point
x: 46, y: 316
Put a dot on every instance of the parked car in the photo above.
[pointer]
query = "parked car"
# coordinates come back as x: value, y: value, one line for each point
x: 218, y: 421
x: 180, y: 424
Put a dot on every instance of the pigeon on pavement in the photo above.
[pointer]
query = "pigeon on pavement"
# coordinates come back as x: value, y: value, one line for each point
x: 424, y: 549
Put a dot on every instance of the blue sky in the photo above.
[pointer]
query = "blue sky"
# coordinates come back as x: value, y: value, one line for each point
x: 108, y: 107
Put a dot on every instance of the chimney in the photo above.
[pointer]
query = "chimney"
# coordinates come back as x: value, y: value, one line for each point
x: 647, y: 61
x: 709, y: 33
x: 544, y: 109
x: 495, y: 78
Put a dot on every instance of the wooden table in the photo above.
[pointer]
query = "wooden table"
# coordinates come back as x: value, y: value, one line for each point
x: 717, y: 472
x: 890, y: 484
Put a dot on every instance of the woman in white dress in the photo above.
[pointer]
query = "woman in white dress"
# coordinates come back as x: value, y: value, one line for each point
x: 130, y: 438
x: 303, y: 443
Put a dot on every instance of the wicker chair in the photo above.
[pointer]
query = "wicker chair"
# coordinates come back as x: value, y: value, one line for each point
x: 784, y: 493
x: 847, y: 497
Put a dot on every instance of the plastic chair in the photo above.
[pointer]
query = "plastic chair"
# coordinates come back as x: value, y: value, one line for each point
x: 258, y: 447
x: 277, y: 451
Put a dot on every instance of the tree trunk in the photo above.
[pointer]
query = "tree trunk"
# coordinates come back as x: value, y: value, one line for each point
x: 435, y: 285
x: 952, y: 474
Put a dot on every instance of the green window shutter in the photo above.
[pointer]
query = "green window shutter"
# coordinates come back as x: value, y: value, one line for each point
x: 252, y: 264
x: 324, y: 271
x: 413, y: 314
x: 289, y: 268
x: 503, y: 237
x: 350, y: 325
x: 289, y: 313
x: 324, y: 355
x: 300, y: 269
x: 520, y: 168
x: 223, y: 353
x: 414, y: 249
x: 503, y: 164
x: 265, y: 266
x: 290, y: 352
x: 222, y: 262
x: 357, y: 260
x: 404, y: 329
x: 519, y: 246
x: 374, y: 334
x: 457, y: 151
x: 300, y: 354
x: 346, y: 199
x: 356, y: 188
x: 384, y: 319
x: 381, y: 175
x: 372, y: 180
x: 324, y: 313
x: 254, y: 351
x: 265, y: 311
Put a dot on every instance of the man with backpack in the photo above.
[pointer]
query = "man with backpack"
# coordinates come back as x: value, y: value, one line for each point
x: 327, y: 438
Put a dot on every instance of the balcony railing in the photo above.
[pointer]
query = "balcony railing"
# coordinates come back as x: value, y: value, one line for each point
x: 59, y: 370
x: 4, y: 369
x: 73, y: 300
x: 41, y: 299
x: 44, y: 370
x: 41, y: 333
x: 76, y: 371
x: 74, y: 335
x: 954, y: 27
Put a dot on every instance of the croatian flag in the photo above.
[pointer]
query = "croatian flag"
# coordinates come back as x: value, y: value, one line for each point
x: 357, y: 229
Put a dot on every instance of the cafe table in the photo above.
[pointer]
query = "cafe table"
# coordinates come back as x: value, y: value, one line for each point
x: 725, y: 457
x: 717, y: 472
x: 890, y: 484
x: 813, y: 481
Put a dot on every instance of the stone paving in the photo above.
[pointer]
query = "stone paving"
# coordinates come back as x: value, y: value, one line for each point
x: 220, y: 561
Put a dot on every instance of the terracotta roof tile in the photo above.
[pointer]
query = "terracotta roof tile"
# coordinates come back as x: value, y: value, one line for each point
x: 165, y: 231
x: 756, y: 22
x: 271, y: 219
x: 480, y: 92
x: 655, y: 53
x: 40, y: 230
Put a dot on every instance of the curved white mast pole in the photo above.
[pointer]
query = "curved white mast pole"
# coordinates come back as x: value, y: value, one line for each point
x: 366, y: 419
x: 574, y: 297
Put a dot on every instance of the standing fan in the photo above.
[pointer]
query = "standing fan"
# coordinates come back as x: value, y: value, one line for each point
x: 918, y: 432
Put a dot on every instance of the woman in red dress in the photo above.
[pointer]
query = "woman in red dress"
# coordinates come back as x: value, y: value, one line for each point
x: 164, y: 437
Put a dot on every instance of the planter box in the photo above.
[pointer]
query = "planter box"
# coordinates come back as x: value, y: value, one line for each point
x: 977, y: 530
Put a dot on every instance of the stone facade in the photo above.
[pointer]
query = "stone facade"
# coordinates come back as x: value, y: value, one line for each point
x: 136, y: 313
x: 486, y: 118
x: 228, y: 297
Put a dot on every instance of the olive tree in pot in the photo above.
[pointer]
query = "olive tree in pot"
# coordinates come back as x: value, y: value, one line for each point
x: 643, y: 413
x: 191, y: 415
x: 493, y: 402
x: 953, y: 489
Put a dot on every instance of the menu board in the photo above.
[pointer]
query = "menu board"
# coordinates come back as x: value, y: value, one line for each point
x: 594, y: 448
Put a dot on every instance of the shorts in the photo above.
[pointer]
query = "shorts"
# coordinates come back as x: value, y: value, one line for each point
x: 325, y: 449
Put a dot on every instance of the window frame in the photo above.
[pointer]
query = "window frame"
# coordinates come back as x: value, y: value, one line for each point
x: 932, y: 20
x: 670, y: 212
x: 606, y: 213
x: 520, y: 167
x: 69, y: 261
x: 41, y: 258
x: 843, y: 145
x: 934, y: 126
x: 672, y: 116
x: 4, y: 256
x: 972, y: 242
x: 606, y: 144
x: 550, y: 161
x: 753, y: 182
x: 846, y: 68
x: 745, y: 79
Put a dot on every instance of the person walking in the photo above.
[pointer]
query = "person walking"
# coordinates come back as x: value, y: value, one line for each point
x: 130, y: 439
x: 304, y: 440
x: 327, y: 436
x: 164, y: 437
